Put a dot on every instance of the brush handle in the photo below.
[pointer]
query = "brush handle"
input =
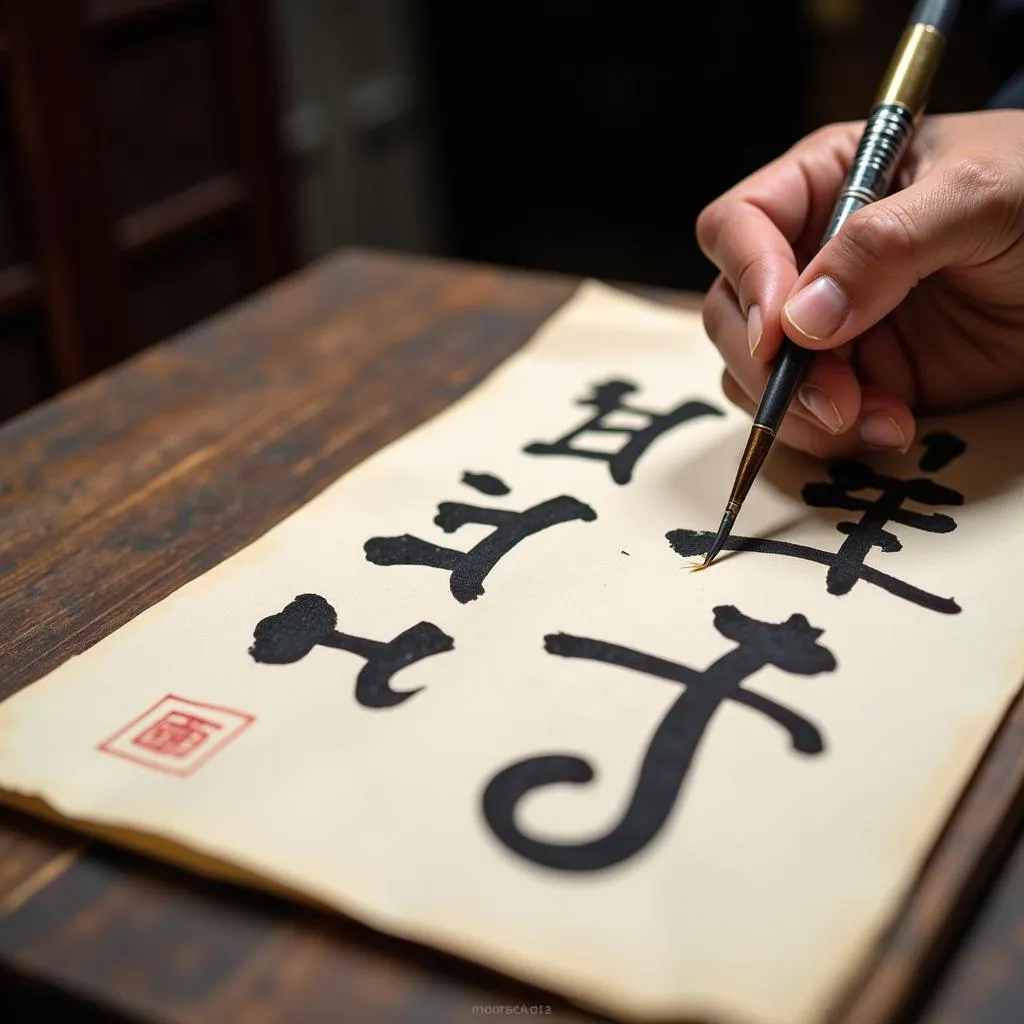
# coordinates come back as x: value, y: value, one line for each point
x: 882, y: 145
x: 898, y: 106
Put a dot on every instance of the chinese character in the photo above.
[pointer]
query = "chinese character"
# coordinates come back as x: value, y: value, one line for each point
x: 469, y: 568
x: 606, y: 399
x: 176, y: 734
x: 309, y: 621
x: 790, y: 646
x: 846, y: 566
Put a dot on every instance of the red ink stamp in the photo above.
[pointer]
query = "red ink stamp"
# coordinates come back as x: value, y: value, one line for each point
x: 177, y: 735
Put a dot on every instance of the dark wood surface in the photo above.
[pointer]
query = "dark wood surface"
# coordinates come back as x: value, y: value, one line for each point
x: 131, y: 484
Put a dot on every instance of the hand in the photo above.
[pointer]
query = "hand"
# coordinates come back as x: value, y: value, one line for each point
x: 916, y: 305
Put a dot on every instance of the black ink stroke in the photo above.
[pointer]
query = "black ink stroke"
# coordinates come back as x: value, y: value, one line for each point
x: 606, y: 399
x: 847, y: 565
x: 790, y: 646
x: 309, y: 621
x: 486, y: 483
x: 940, y: 449
x: 470, y: 568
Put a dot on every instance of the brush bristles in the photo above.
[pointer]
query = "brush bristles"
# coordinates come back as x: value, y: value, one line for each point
x: 720, y: 538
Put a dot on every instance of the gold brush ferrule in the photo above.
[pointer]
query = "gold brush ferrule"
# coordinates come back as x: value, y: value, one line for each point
x: 912, y: 69
x: 756, y: 451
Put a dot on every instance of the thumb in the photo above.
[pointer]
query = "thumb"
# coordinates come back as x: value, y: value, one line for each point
x: 962, y: 214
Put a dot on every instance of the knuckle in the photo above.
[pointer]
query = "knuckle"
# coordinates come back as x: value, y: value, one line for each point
x: 983, y: 183
x: 824, y: 136
x: 879, y: 234
x: 979, y: 174
x: 709, y: 223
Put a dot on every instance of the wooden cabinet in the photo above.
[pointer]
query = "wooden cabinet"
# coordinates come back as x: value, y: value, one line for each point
x: 142, y: 181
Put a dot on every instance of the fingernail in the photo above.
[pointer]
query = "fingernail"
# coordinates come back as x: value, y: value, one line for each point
x: 821, y: 407
x: 877, y: 430
x: 754, y: 327
x: 819, y: 309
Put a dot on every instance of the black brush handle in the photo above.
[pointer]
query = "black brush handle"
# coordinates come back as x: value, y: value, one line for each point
x: 884, y: 140
x: 882, y: 144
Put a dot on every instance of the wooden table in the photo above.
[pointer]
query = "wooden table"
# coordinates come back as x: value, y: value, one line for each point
x: 123, y: 489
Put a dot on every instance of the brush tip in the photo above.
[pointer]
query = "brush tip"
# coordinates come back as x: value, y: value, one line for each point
x: 721, y: 537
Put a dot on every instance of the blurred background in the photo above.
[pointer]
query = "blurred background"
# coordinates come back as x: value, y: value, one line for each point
x: 162, y: 159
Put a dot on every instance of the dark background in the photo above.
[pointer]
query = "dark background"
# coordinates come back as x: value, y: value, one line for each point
x: 586, y: 136
x: 162, y: 159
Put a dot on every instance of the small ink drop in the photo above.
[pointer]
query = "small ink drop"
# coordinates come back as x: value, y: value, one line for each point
x: 486, y: 483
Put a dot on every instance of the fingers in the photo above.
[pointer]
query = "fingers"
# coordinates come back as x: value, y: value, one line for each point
x: 964, y: 212
x: 886, y: 425
x: 754, y: 233
x: 830, y: 395
x: 833, y: 415
x: 760, y: 267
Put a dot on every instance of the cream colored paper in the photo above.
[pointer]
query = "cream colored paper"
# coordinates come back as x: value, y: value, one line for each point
x: 776, y: 871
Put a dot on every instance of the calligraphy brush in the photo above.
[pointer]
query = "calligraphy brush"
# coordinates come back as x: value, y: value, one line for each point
x: 898, y: 106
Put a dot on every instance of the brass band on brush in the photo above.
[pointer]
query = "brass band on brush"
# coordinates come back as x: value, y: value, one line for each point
x: 912, y: 69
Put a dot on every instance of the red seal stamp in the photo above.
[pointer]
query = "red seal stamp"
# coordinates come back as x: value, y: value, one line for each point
x: 177, y: 735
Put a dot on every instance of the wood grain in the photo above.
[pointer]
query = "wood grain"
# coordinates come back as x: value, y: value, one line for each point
x: 131, y: 484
